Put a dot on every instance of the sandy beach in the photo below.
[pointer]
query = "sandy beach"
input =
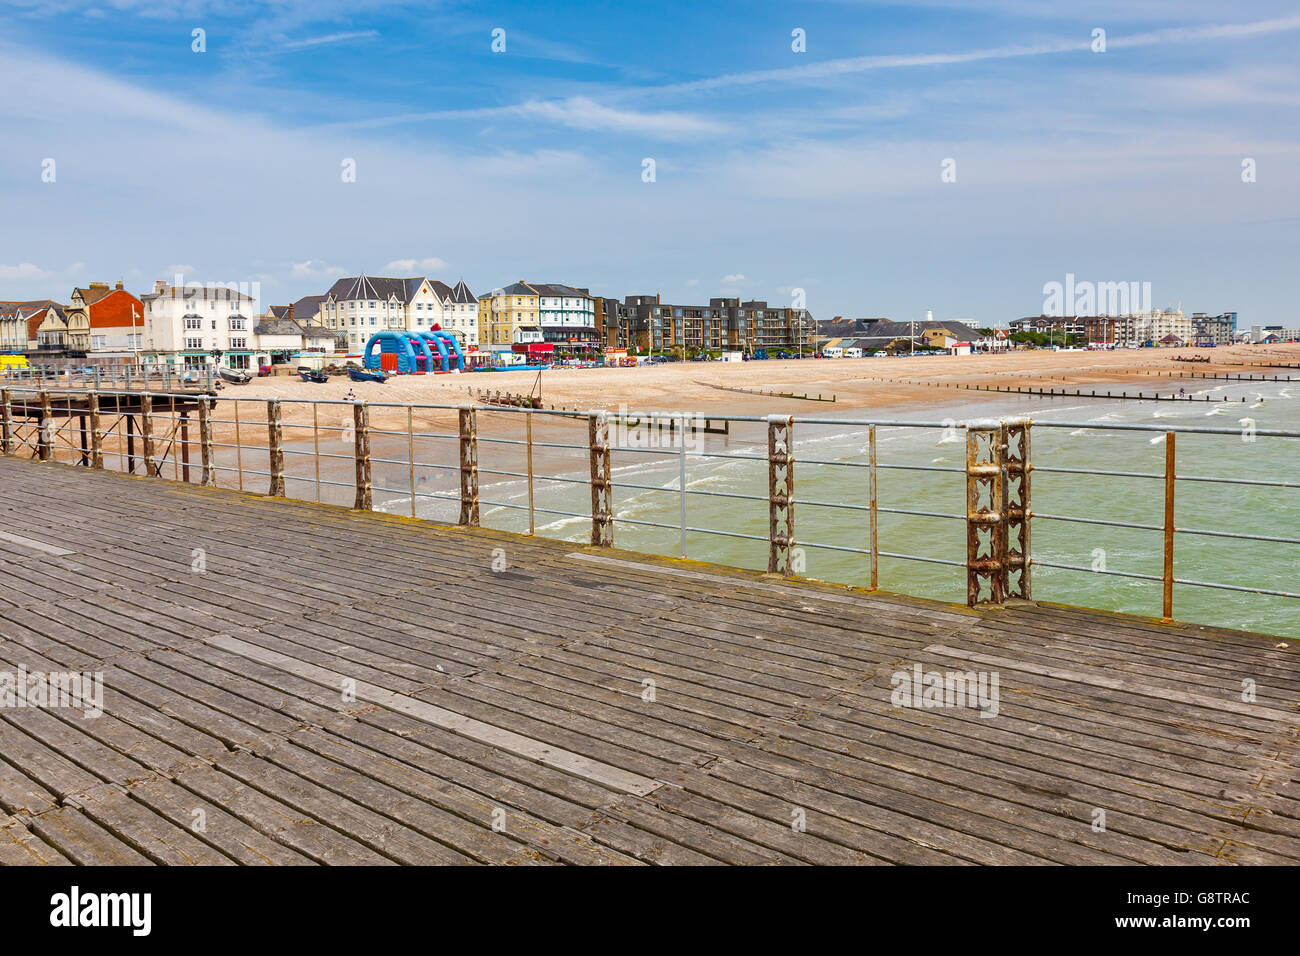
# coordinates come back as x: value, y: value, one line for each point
x: 855, y: 383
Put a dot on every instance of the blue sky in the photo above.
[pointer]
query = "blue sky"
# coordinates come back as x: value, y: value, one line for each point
x: 774, y: 170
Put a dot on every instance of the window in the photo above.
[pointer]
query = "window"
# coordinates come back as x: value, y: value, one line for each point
x: 99, y: 342
x: 194, y: 323
x: 239, y: 343
x: 239, y: 325
x: 194, y: 345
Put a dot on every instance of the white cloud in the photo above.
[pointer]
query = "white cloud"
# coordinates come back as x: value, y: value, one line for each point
x: 738, y: 277
x: 311, y: 269
x: 24, y: 270
x: 411, y: 266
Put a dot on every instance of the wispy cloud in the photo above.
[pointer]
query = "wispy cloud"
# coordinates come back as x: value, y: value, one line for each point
x: 331, y: 38
x: 862, y: 64
x: 431, y: 264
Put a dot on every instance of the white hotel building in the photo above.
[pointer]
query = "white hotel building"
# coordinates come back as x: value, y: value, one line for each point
x: 362, y: 305
x: 195, y: 325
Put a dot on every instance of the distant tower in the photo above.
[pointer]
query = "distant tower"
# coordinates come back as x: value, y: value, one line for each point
x: 929, y: 315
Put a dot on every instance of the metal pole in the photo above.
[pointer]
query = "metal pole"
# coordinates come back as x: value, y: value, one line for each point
x: 681, y: 482
x: 315, y: 440
x: 239, y: 450
x: 205, y: 441
x: 602, y: 516
x: 780, y: 494
x: 146, y: 436
x: 1170, y: 478
x: 984, y: 557
x: 361, y: 423
x: 6, y: 423
x: 875, y: 516
x: 528, y: 426
x: 45, y: 440
x: 275, y: 447
x: 410, y: 454
x: 96, y: 432
x: 467, y: 422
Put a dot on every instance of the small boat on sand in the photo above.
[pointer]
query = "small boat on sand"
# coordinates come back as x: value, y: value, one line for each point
x: 235, y: 376
x: 312, y: 374
x: 366, y: 375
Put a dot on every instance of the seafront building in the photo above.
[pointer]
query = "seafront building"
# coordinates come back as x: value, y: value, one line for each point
x: 1168, y: 327
x: 195, y: 325
x: 724, y: 325
x: 563, y: 316
x: 359, y: 306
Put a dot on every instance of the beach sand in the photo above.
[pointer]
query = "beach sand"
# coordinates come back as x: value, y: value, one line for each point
x: 865, y: 383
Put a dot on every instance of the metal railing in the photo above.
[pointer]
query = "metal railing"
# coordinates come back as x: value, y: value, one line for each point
x: 145, y: 431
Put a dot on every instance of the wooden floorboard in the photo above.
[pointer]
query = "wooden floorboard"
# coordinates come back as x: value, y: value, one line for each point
x: 296, y: 684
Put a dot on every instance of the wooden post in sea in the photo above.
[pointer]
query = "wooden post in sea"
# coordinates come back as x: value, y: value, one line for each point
x: 209, y: 471
x: 96, y: 432
x: 6, y: 423
x: 361, y: 437
x: 780, y: 494
x: 275, y: 447
x: 602, y: 490
x: 467, y: 427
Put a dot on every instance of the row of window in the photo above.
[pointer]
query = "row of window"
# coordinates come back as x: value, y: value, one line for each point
x: 450, y: 306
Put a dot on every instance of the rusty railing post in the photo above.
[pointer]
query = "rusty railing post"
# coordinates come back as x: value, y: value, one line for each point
x: 1167, y: 605
x: 467, y: 427
x: 1016, y: 468
x: 6, y: 423
x: 780, y: 494
x: 985, y: 541
x: 205, y: 441
x: 146, y: 436
x: 875, y: 510
x: 361, y: 437
x: 96, y: 432
x: 275, y: 447
x: 45, y: 434
x: 602, y: 490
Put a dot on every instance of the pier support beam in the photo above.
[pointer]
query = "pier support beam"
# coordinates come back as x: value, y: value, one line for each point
x: 467, y: 423
x: 275, y: 447
x: 780, y: 494
x: 602, y: 490
x: 96, y: 432
x: 1016, y: 470
x: 985, y: 530
x: 361, y: 427
x: 209, y: 477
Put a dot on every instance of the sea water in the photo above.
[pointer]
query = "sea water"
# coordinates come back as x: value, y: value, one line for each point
x: 1242, y: 509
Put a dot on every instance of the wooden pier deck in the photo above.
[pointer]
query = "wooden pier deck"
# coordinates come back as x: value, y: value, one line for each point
x: 505, y: 717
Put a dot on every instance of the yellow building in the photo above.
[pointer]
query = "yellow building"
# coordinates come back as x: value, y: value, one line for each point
x: 503, y: 311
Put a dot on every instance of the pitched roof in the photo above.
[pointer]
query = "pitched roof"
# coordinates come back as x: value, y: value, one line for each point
x: 375, y: 287
x: 115, y: 309
x: 461, y: 293
x: 278, y: 326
